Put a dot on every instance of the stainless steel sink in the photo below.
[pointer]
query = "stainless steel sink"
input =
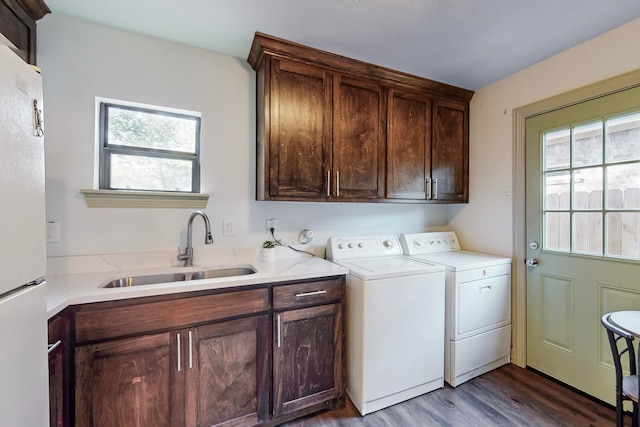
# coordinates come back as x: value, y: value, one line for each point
x: 222, y: 272
x: 124, y: 282
x: 155, y: 279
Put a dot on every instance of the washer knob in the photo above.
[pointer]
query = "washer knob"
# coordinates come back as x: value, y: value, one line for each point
x: 361, y: 245
x: 350, y: 245
x: 341, y: 246
x: 388, y: 243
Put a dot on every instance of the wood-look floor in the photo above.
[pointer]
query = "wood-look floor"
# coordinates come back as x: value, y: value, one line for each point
x: 508, y: 396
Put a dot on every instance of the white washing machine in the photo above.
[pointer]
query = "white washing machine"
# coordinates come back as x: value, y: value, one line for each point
x: 394, y: 322
x: 478, y: 304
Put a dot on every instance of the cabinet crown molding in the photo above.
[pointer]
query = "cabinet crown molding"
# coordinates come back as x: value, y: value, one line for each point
x: 264, y: 44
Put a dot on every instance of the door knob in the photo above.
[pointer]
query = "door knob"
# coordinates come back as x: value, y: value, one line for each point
x: 531, y: 262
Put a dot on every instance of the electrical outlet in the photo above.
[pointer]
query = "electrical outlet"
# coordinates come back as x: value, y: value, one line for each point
x: 271, y: 223
x: 53, y: 231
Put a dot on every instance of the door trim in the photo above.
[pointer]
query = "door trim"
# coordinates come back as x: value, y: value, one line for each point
x: 519, y: 302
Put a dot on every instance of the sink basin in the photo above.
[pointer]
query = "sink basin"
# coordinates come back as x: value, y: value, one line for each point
x: 124, y: 282
x: 154, y: 279
x: 222, y: 272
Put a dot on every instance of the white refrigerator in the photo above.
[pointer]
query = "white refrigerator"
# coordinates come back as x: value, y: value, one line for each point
x: 24, y: 384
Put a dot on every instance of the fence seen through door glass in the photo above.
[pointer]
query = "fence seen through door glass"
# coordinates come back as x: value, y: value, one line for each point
x: 591, y: 178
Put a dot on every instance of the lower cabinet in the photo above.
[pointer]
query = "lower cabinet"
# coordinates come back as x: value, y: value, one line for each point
x: 307, y: 367
x: 203, y: 376
x: 261, y: 356
x: 58, y: 371
x: 227, y: 380
x: 127, y: 382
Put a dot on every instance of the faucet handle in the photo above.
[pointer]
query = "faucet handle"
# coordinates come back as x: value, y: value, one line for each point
x: 182, y: 255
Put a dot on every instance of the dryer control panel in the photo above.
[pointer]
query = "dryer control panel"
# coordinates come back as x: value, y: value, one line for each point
x: 353, y: 247
x: 428, y: 243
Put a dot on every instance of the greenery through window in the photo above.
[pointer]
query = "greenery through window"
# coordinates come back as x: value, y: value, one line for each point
x: 592, y: 188
x: 147, y: 149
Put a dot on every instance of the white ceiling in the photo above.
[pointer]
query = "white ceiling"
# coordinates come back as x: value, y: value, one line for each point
x: 467, y: 43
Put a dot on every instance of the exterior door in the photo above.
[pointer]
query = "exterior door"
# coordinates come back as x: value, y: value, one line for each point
x: 583, y: 229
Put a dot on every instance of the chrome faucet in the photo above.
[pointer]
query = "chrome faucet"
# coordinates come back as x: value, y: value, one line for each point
x: 187, y: 255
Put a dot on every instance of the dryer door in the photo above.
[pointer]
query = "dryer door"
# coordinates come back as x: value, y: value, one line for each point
x: 483, y: 304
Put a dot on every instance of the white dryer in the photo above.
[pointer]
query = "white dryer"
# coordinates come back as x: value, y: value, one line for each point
x: 478, y: 303
x: 394, y: 322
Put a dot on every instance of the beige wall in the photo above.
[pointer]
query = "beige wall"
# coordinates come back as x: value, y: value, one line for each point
x: 486, y: 224
x: 82, y: 60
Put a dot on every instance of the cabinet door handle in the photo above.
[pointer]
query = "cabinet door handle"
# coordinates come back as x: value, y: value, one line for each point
x: 53, y: 346
x: 278, y: 330
x: 435, y: 193
x: 190, y: 351
x: 328, y: 183
x: 337, y: 183
x: 179, y: 366
x: 428, y: 188
x: 306, y: 294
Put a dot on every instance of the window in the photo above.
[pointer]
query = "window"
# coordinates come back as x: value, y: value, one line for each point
x: 148, y: 149
x: 592, y: 188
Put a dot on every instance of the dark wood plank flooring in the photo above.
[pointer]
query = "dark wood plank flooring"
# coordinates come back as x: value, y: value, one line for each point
x: 508, y: 396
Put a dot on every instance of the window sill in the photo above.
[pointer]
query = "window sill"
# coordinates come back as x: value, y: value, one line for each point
x: 143, y: 199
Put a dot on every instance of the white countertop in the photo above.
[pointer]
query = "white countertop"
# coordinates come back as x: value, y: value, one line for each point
x: 77, y: 280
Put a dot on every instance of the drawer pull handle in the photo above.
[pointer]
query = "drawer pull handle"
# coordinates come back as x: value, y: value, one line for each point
x: 307, y: 294
x: 485, y: 288
x: 53, y: 346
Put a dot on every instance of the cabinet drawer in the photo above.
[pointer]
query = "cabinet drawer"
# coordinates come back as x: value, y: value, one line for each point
x: 94, y: 323
x: 302, y: 294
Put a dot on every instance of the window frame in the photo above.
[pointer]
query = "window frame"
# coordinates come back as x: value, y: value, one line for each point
x: 106, y: 149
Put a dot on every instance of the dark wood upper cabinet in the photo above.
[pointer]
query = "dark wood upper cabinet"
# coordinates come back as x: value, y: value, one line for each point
x: 358, y: 139
x: 18, y: 24
x: 299, y: 129
x: 330, y: 128
x: 450, y: 151
x: 427, y: 148
x: 409, y: 145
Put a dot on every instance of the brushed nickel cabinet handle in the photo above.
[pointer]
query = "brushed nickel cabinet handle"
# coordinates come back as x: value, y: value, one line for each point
x: 179, y: 365
x: 435, y: 193
x: 278, y: 331
x: 306, y: 294
x: 428, y: 188
x: 53, y: 346
x: 337, y: 183
x: 190, y: 351
x: 328, y: 183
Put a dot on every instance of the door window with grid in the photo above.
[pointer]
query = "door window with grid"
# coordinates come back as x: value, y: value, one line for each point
x: 591, y: 180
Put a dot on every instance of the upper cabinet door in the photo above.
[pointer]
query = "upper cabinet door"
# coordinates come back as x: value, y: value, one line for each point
x: 408, y: 145
x: 300, y: 131
x: 450, y: 151
x: 358, y: 139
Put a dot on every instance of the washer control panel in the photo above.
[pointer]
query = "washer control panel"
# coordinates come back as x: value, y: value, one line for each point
x: 428, y: 243
x: 353, y: 247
